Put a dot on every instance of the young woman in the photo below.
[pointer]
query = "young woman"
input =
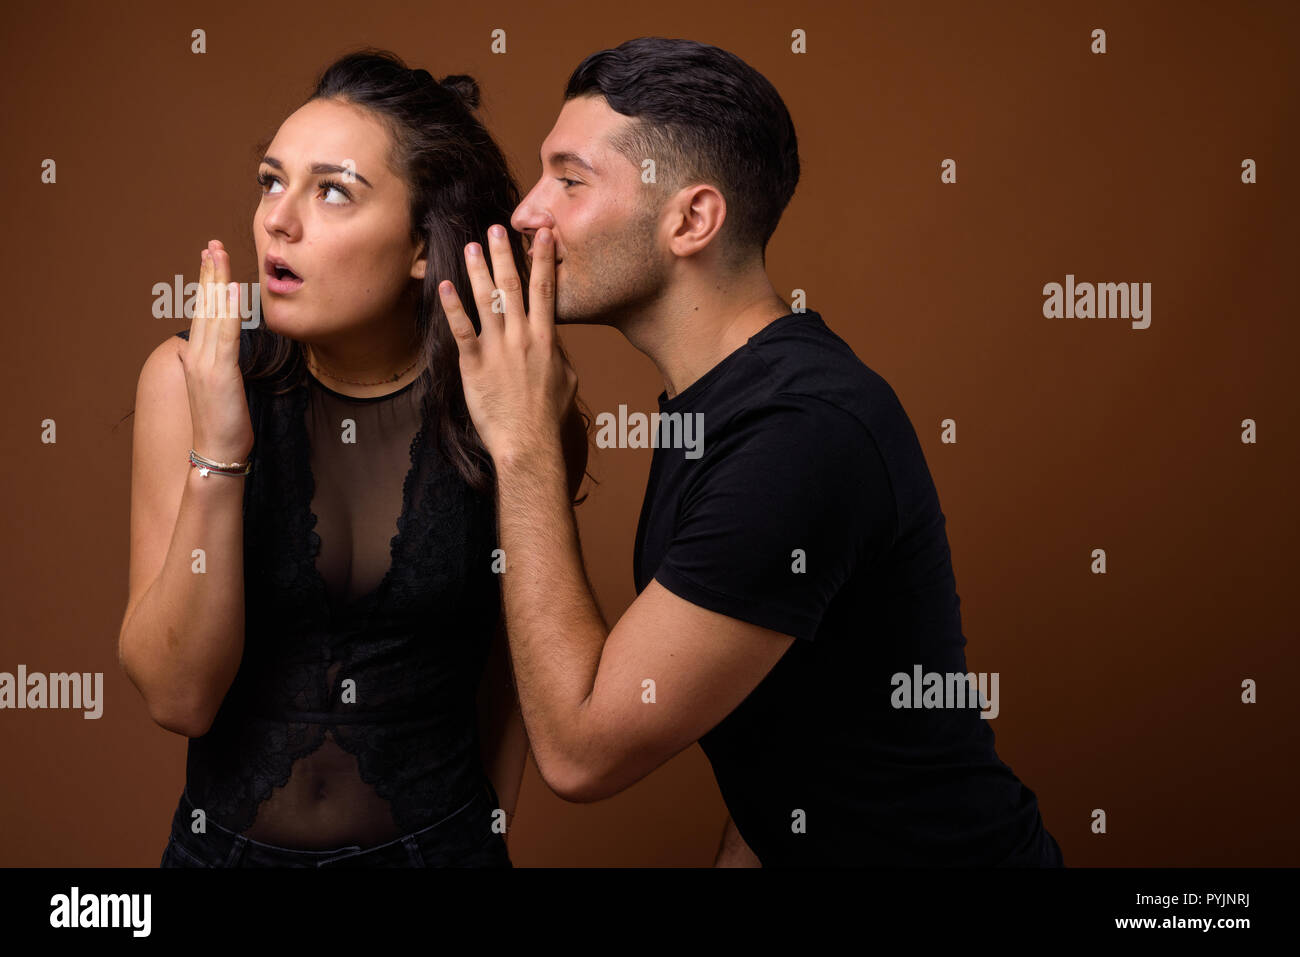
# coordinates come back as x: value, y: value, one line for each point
x: 314, y: 597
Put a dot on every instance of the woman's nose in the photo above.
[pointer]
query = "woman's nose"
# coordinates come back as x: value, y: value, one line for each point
x: 282, y: 218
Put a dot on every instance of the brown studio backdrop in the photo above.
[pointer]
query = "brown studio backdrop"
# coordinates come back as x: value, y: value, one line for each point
x: 1119, y: 692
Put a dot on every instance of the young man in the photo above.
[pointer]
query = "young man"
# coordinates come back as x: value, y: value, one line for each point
x: 792, y: 569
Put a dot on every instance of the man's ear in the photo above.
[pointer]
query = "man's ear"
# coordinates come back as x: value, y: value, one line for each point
x: 701, y: 210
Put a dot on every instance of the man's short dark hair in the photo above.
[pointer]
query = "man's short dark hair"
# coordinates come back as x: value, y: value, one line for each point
x: 703, y: 115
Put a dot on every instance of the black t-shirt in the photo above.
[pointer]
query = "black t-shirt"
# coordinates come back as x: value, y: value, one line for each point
x: 810, y: 510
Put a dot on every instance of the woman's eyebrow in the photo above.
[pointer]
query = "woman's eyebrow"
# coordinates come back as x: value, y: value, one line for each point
x: 321, y: 168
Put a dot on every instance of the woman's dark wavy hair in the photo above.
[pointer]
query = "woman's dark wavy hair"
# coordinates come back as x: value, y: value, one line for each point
x: 459, y: 184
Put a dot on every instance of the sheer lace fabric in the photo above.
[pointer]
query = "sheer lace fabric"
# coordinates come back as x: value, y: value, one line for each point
x: 370, y: 603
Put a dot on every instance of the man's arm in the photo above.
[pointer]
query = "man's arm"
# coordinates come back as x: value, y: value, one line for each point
x: 604, y: 710
x: 733, y: 851
x: 503, y: 737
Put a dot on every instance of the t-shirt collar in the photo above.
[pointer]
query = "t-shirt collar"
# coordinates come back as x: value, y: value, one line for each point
x: 700, y: 385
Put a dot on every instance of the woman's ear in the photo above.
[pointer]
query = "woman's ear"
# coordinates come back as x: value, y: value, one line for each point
x: 420, y: 264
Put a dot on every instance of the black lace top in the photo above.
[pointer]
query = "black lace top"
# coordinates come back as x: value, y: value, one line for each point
x: 366, y: 629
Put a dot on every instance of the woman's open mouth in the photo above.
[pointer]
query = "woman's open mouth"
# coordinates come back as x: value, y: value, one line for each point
x: 280, y: 278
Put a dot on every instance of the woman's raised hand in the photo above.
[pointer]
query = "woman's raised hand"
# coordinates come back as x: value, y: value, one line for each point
x: 223, y: 430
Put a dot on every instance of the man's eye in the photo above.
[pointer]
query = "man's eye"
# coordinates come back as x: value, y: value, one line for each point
x: 568, y: 182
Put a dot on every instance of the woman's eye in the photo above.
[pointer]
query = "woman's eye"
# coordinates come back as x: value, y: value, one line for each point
x: 270, y: 183
x: 568, y: 182
x: 328, y: 185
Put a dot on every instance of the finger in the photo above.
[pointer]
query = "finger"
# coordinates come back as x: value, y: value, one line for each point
x: 229, y: 330
x: 219, y: 336
x: 507, y: 277
x: 221, y: 263
x: 228, y: 301
x: 221, y: 276
x: 199, y: 324
x: 480, y: 279
x: 541, y: 284
x: 462, y: 330
x: 205, y: 267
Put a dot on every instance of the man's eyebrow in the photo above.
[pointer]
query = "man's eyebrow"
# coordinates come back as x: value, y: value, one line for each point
x: 317, y: 168
x: 568, y: 157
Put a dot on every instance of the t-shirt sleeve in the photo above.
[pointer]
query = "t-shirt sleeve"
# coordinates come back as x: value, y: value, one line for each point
x: 784, y: 508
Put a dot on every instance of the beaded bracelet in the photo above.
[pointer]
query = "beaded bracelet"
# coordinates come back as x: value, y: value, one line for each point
x: 206, y: 465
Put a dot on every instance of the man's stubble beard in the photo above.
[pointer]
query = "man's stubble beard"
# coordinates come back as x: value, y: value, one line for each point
x: 625, y: 277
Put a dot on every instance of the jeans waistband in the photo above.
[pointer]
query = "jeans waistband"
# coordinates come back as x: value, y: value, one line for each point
x: 461, y: 831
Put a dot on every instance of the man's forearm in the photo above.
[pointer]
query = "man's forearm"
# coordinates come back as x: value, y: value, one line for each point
x: 555, y: 629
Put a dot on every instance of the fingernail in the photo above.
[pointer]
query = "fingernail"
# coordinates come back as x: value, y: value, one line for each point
x: 497, y: 231
x: 474, y: 249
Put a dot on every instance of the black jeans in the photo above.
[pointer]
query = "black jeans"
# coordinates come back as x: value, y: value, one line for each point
x: 462, y: 839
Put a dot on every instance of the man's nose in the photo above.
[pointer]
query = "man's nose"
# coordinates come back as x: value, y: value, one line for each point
x: 529, y: 216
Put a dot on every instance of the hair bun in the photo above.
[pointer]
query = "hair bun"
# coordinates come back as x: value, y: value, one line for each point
x: 464, y: 87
